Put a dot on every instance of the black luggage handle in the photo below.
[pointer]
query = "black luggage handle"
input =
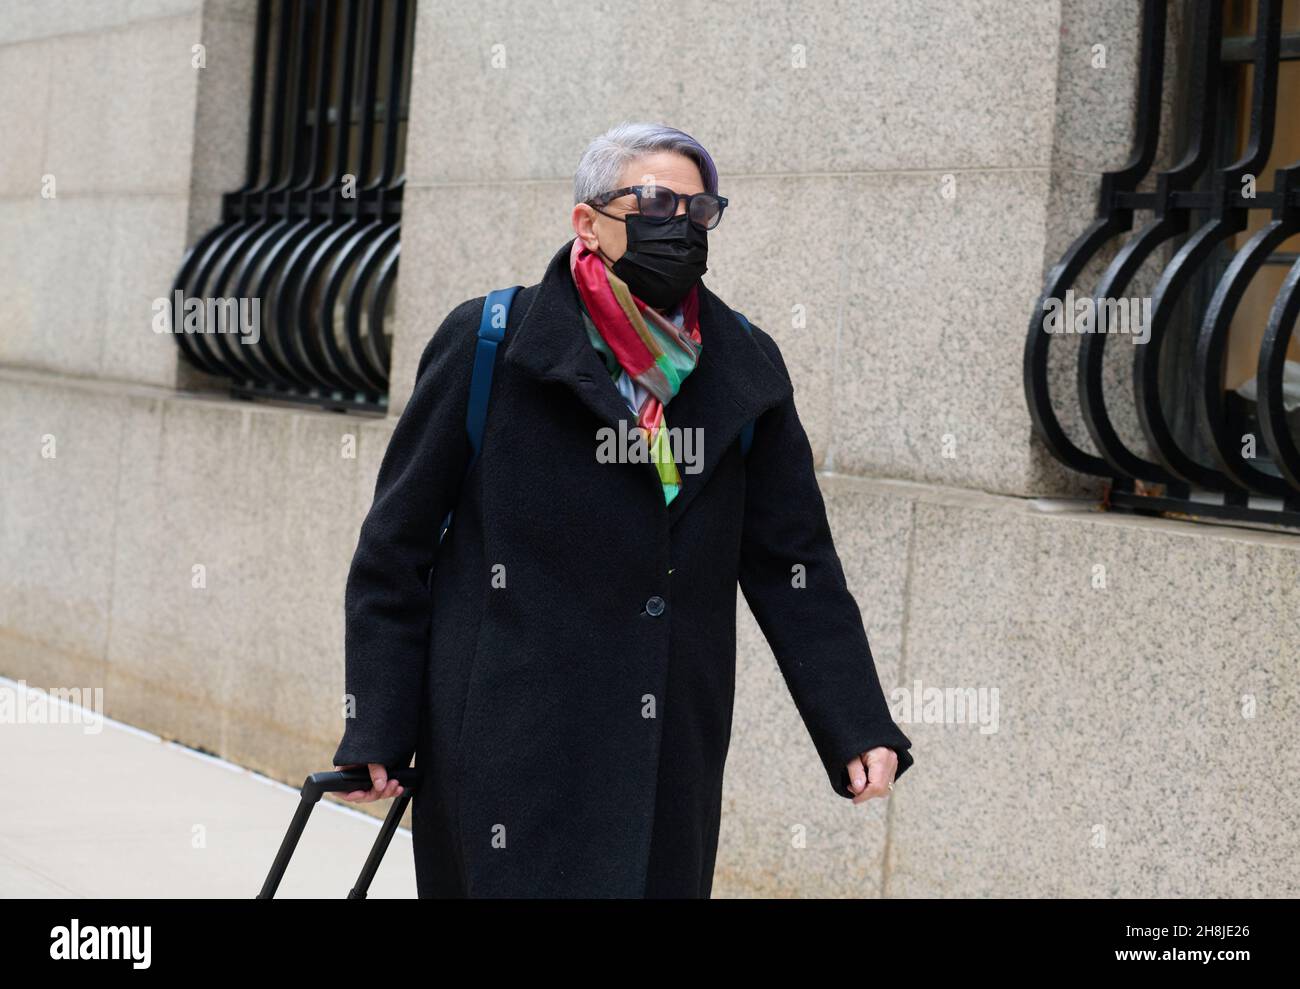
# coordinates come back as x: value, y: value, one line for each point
x: 344, y: 780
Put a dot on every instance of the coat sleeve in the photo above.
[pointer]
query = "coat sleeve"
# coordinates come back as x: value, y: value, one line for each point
x: 387, y: 606
x: 815, y: 630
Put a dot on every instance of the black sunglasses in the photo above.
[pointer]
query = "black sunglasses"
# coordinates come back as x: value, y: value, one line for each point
x: 658, y: 203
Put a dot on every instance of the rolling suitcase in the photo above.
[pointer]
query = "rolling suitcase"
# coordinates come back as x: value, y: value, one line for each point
x: 341, y: 781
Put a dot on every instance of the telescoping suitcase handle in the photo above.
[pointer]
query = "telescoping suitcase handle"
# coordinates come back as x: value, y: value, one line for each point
x: 345, y: 780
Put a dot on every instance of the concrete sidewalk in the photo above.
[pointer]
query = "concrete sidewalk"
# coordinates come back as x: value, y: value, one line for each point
x: 94, y: 808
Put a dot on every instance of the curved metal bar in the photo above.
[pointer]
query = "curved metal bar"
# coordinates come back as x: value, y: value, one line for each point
x: 275, y: 167
x: 282, y: 312
x: 347, y: 88
x: 257, y: 279
x: 1263, y: 96
x: 1043, y: 416
x: 378, y: 303
x: 297, y: 164
x: 192, y: 260
x: 1092, y: 398
x: 257, y: 97
x: 227, y: 246
x: 1111, y: 221
x: 369, y: 51
x: 241, y: 262
x: 305, y: 337
x: 361, y: 278
x: 1170, y: 221
x: 1146, y: 124
x: 1146, y: 367
x: 324, y: 77
x: 396, y: 69
x: 1228, y: 216
x: 1273, y: 423
x: 1212, y: 359
x: 344, y: 263
x: 195, y: 274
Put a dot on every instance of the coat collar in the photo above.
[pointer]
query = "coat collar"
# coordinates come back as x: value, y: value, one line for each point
x: 732, y: 383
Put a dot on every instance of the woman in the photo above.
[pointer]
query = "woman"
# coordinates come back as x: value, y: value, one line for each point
x: 567, y: 685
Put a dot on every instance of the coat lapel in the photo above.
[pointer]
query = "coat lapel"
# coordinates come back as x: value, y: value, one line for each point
x: 732, y: 383
x: 550, y: 344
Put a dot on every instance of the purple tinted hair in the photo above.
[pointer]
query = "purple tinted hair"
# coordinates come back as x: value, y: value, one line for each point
x: 607, y: 156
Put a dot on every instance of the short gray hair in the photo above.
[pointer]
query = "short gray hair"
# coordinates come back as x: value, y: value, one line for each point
x: 603, y: 162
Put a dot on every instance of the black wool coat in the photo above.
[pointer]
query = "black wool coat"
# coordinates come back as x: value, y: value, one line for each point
x: 567, y: 684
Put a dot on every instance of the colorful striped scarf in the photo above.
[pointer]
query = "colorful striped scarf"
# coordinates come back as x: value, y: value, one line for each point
x: 649, y: 353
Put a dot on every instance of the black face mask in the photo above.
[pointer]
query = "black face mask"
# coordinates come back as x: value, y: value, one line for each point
x: 663, y: 260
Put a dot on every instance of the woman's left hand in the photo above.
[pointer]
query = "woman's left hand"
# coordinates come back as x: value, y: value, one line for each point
x: 871, y: 773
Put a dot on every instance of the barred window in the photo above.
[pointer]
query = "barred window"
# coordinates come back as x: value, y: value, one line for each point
x: 1200, y: 265
x: 288, y: 295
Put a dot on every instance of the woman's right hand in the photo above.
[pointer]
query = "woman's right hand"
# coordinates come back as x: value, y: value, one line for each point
x: 381, y: 787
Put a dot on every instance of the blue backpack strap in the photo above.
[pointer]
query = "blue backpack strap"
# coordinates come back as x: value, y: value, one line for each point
x: 746, y: 433
x: 491, y: 331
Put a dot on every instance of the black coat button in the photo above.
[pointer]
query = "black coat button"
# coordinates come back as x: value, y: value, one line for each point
x: 655, y: 606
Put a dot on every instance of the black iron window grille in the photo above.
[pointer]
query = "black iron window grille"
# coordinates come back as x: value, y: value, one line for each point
x: 309, y: 244
x: 1215, y: 389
